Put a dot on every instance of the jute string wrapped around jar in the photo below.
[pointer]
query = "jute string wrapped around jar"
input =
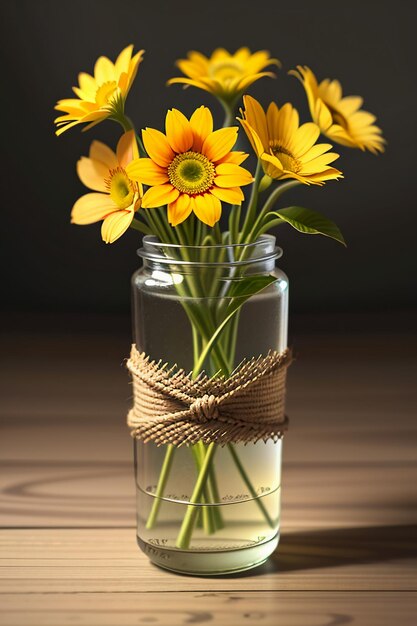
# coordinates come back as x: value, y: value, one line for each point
x: 170, y: 407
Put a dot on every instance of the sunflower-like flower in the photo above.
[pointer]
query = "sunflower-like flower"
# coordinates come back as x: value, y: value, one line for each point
x: 191, y: 168
x: 102, y: 95
x: 340, y: 118
x: 223, y: 74
x: 118, y: 196
x: 286, y: 149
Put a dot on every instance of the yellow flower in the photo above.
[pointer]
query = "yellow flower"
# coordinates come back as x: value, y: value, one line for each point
x: 340, y: 118
x: 224, y: 75
x: 118, y: 198
x: 191, y: 168
x: 100, y: 96
x: 286, y: 149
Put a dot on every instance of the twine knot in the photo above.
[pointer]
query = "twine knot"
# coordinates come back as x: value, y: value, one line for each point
x: 170, y: 406
x: 205, y: 408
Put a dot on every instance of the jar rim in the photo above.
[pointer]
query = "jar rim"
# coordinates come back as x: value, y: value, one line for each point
x: 153, y: 250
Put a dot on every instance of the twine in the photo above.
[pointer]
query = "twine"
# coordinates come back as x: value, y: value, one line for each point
x: 172, y: 407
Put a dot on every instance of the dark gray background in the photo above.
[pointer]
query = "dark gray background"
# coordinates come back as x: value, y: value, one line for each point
x: 50, y: 266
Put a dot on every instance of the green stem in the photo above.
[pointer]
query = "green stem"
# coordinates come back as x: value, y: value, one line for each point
x: 229, y: 113
x: 124, y: 121
x: 234, y: 222
x: 249, y: 485
x: 141, y: 227
x: 253, y: 202
x: 266, y: 226
x: 206, y: 513
x: 160, y: 489
x: 273, y: 197
x: 184, y: 537
x: 215, y: 497
x: 211, y: 490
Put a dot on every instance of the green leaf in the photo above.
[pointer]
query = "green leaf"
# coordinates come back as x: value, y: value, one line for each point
x: 309, y: 222
x: 240, y: 291
x: 247, y: 287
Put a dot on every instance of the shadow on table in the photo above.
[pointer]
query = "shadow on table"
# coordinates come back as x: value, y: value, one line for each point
x: 307, y: 550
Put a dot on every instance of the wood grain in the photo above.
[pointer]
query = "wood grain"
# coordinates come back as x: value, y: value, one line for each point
x: 348, y: 553
x: 176, y: 609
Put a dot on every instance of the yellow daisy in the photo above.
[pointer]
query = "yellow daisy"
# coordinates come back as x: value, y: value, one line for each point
x: 191, y: 168
x: 340, y: 118
x: 286, y: 149
x: 118, y: 196
x: 223, y: 74
x: 100, y: 96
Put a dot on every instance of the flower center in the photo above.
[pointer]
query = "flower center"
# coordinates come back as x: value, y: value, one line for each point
x: 226, y: 71
x: 105, y: 92
x: 288, y: 160
x: 191, y: 172
x: 120, y: 187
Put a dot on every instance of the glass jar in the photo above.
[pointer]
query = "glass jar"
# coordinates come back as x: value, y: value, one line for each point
x: 180, y: 297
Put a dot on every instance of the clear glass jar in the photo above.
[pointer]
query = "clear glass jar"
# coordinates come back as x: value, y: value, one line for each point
x: 236, y: 523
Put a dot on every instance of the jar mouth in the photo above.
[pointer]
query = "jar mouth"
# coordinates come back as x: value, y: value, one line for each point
x: 261, y: 250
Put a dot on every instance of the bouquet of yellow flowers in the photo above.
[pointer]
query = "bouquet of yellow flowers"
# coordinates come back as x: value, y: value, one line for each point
x: 177, y: 187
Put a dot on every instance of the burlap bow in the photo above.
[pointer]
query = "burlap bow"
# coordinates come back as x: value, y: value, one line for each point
x: 170, y: 407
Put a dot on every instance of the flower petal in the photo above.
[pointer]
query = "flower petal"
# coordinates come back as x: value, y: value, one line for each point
x: 282, y: 123
x: 126, y: 80
x: 322, y: 115
x: 93, y: 174
x: 91, y: 208
x: 157, y: 146
x: 159, y: 195
x: 247, y: 81
x: 318, y: 165
x: 350, y: 104
x: 207, y: 208
x: 65, y: 127
x: 232, y: 175
x: 147, y: 172
x: 304, y: 138
x: 194, y: 83
x: 317, y: 150
x: 256, y: 118
x: 202, y: 125
x: 189, y: 68
x: 87, y: 84
x: 127, y: 148
x: 219, y: 143
x: 232, y: 195
x: 235, y: 157
x: 272, y: 166
x: 116, y: 224
x: 100, y: 152
x: 179, y: 132
x: 179, y: 210
x: 123, y: 60
x: 253, y: 137
x: 104, y: 70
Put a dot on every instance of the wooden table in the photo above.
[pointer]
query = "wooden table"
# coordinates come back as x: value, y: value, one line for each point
x: 348, y: 552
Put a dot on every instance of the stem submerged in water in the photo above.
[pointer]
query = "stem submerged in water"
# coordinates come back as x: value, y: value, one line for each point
x: 160, y: 489
x: 184, y: 537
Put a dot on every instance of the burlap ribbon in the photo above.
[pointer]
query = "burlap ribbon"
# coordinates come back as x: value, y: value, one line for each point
x: 170, y: 407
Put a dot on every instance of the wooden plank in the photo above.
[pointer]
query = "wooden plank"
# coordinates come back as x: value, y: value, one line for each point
x: 106, y: 560
x: 168, y: 609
